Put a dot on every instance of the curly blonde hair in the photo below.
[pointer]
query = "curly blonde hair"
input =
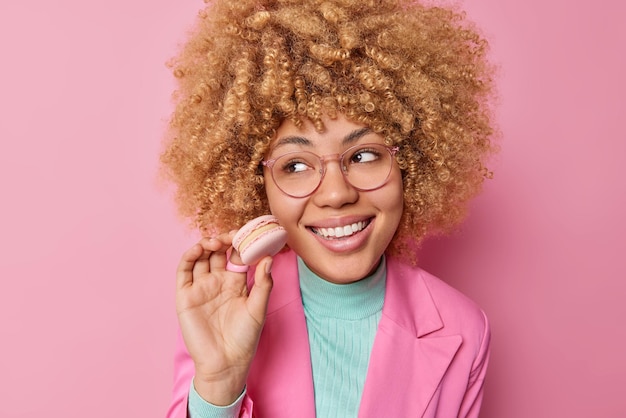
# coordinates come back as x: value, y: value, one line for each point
x: 417, y: 75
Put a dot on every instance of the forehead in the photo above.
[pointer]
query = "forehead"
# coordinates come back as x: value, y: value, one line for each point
x: 338, y: 133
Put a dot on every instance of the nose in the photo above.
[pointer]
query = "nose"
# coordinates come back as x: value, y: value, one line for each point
x: 334, y: 190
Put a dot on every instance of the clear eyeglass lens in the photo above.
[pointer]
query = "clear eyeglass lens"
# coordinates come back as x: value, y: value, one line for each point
x: 365, y: 167
x: 297, y: 174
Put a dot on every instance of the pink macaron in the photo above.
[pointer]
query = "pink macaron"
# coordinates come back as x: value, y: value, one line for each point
x: 258, y: 238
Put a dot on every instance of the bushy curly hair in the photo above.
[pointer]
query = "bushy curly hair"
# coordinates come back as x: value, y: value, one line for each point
x: 418, y: 75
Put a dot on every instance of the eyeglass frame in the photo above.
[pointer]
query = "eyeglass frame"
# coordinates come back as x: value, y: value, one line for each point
x: 392, y: 150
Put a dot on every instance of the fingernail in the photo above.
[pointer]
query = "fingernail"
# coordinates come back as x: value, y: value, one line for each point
x: 268, y: 267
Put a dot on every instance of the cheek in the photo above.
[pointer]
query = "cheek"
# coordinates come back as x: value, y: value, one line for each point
x: 272, y: 193
x: 394, y: 201
x: 283, y: 207
x: 395, y: 191
x: 273, y: 198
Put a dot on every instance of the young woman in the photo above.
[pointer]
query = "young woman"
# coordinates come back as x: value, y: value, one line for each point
x: 362, y: 126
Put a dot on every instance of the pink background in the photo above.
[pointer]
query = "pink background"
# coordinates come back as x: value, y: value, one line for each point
x: 89, y: 243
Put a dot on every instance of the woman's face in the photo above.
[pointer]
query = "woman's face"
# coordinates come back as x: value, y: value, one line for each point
x: 310, y: 221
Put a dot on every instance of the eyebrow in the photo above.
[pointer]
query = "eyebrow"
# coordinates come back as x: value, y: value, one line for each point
x: 301, y: 140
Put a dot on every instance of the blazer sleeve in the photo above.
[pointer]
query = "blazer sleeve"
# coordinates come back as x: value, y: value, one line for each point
x: 470, y: 405
x: 183, y: 374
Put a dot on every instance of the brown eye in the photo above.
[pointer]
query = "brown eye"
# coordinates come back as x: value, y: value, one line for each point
x: 364, y: 156
x: 294, y: 166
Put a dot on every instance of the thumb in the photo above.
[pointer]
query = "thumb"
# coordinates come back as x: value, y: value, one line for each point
x: 261, y: 289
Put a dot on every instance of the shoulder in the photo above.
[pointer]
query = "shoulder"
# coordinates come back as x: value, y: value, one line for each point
x: 428, y: 296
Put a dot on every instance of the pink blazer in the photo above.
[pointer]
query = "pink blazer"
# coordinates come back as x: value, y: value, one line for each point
x: 428, y: 360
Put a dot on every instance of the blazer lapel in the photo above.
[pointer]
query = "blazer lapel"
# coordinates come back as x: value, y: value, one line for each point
x: 281, y: 371
x: 407, y: 363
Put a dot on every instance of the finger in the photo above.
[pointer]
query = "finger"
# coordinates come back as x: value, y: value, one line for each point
x: 209, y: 245
x: 235, y: 265
x: 226, y: 238
x: 217, y: 260
x: 184, y: 271
x: 235, y: 258
x: 214, y: 255
x: 219, y: 257
x: 260, y: 292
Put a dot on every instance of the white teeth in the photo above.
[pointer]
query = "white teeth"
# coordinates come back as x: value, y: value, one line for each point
x: 341, y: 231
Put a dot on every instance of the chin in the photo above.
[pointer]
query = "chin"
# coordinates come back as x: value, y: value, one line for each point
x: 342, y: 273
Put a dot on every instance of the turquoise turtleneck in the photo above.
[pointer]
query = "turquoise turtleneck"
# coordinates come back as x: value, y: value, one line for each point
x: 342, y: 320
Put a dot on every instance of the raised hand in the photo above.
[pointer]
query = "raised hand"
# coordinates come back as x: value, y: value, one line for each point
x: 219, y: 318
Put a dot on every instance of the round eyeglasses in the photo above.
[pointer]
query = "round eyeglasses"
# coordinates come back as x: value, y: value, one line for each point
x: 364, y: 166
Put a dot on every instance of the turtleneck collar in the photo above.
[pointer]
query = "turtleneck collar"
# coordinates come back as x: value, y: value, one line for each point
x: 351, y: 301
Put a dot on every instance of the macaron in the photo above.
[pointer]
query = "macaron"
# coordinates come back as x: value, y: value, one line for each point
x: 258, y: 238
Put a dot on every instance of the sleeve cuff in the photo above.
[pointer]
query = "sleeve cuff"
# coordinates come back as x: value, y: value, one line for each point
x: 199, y: 408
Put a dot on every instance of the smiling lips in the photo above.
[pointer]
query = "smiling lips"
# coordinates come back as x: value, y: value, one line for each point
x: 341, y: 231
